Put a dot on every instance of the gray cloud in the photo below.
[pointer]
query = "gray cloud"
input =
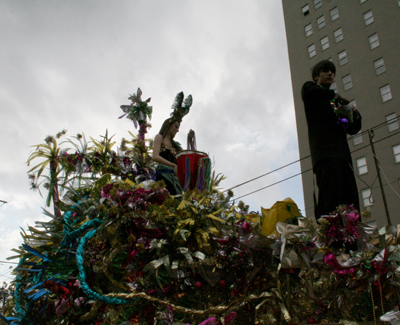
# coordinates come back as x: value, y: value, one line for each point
x: 72, y: 64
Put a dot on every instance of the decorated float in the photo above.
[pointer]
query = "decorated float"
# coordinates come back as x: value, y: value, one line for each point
x: 119, y: 249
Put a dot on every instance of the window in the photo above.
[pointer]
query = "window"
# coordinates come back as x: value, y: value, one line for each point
x: 362, y: 1
x: 308, y: 30
x: 321, y: 22
x: 392, y: 122
x: 379, y: 66
x: 338, y: 35
x: 385, y: 93
x: 367, y: 197
x: 396, y: 153
x: 342, y: 57
x: 334, y: 13
x: 373, y: 41
x: 362, y: 166
x: 333, y: 87
x: 357, y: 138
x: 347, y: 83
x: 317, y: 3
x: 311, y: 51
x: 305, y: 10
x: 368, y: 18
x: 324, y: 43
x: 398, y: 3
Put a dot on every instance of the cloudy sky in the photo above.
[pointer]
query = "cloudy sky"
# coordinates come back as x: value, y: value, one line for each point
x: 71, y: 64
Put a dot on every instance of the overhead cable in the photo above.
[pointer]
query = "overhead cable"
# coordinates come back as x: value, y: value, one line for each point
x: 263, y: 188
x: 272, y: 171
x: 368, y: 145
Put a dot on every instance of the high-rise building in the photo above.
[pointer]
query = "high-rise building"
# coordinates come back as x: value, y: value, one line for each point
x: 361, y: 38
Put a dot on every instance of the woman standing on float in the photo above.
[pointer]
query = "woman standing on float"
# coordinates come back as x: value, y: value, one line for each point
x: 165, y: 148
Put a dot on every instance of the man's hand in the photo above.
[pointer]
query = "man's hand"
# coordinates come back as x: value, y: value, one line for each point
x: 341, y: 100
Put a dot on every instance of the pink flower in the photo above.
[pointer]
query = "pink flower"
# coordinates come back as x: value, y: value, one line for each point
x: 229, y: 318
x: 209, y: 321
x: 106, y: 190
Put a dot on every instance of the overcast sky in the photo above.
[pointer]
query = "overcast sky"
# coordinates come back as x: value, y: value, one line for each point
x: 71, y: 64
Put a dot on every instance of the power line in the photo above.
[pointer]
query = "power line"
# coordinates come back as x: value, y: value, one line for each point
x: 4, y: 274
x: 368, y: 145
x: 272, y: 171
x: 8, y: 278
x: 263, y: 188
x: 378, y: 126
x: 389, y: 136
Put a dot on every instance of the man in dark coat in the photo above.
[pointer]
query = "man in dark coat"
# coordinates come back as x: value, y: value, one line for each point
x: 330, y: 152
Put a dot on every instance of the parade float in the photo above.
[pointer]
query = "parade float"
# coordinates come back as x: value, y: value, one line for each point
x: 117, y: 248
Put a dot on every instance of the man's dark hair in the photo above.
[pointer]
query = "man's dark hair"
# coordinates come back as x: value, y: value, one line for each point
x: 324, y: 65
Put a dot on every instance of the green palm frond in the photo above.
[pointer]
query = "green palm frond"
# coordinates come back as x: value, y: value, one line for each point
x: 43, y: 166
x: 215, y: 180
x: 83, y: 146
x: 103, y: 146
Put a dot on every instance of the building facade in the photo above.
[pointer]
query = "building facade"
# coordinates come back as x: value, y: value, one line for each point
x: 361, y: 38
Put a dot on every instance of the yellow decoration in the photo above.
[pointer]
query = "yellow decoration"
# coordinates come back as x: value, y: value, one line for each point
x: 99, y: 184
x: 212, y: 216
x: 183, y: 204
x: 255, y: 218
x: 280, y: 211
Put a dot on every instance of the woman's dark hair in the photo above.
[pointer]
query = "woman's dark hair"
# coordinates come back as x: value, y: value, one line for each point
x: 325, y: 66
x: 165, y: 128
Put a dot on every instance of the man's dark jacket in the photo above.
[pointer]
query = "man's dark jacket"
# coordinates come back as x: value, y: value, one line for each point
x: 327, y: 139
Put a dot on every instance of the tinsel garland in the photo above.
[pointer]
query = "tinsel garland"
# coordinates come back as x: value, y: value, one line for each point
x: 18, y: 286
x: 68, y: 236
x: 82, y: 274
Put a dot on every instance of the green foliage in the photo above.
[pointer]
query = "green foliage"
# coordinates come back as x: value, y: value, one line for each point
x: 6, y: 299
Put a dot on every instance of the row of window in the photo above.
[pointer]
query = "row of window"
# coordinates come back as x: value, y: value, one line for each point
x: 362, y: 162
x: 362, y: 1
x: 338, y: 35
x: 392, y: 124
x: 334, y: 13
x: 385, y: 91
x: 368, y: 19
x: 318, y: 4
x: 379, y: 64
x: 362, y: 167
x: 366, y: 194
